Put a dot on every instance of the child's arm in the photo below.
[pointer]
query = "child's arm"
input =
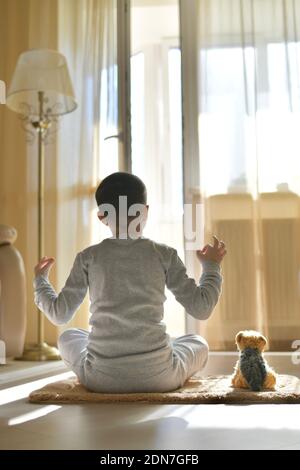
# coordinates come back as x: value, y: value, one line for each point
x: 59, y: 309
x: 198, y: 300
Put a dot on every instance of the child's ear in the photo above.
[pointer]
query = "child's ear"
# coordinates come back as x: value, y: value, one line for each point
x: 102, y: 218
x: 262, y: 341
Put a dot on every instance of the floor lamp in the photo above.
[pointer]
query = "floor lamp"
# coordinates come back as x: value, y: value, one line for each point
x: 40, y: 92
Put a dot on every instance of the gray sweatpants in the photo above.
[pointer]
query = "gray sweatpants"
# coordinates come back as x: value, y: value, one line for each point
x: 190, y: 355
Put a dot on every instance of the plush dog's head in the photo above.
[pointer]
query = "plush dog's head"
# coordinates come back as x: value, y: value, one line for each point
x: 250, y: 339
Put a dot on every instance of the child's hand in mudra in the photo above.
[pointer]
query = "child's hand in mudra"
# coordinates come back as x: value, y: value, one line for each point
x: 44, y: 265
x: 215, y: 252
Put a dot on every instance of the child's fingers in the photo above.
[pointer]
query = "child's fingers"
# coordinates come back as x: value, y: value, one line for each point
x: 48, y: 263
x: 44, y: 263
x: 216, y: 241
x: 200, y: 254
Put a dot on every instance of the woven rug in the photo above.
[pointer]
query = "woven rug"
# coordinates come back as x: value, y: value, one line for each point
x: 208, y: 390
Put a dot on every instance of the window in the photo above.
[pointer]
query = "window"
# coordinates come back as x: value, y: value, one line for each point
x: 230, y: 108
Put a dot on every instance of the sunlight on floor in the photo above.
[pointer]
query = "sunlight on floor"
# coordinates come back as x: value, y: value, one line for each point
x: 275, y: 417
x: 45, y: 410
x: 20, y: 392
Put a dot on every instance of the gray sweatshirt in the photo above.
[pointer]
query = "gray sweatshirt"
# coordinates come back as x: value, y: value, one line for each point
x: 126, y: 280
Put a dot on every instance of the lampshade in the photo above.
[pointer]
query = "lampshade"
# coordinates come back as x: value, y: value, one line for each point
x: 2, y: 92
x: 41, y: 70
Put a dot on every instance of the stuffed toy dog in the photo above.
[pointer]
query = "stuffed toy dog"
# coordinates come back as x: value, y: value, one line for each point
x: 252, y: 370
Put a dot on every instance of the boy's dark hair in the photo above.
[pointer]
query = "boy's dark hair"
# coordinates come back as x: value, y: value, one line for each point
x: 121, y: 184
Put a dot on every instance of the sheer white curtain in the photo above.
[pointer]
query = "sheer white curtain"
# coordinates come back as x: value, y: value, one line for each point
x: 156, y: 121
x: 87, y: 36
x: 247, y: 58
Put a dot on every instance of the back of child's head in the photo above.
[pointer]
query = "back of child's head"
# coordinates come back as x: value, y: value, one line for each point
x: 121, y: 184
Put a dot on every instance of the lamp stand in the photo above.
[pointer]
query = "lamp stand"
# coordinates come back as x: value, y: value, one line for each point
x: 40, y: 351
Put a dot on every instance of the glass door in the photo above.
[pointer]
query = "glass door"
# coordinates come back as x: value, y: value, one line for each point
x: 142, y: 131
x: 156, y: 126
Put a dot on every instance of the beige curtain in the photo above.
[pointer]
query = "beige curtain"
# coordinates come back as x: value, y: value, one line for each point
x: 25, y: 24
x: 84, y: 30
x: 247, y: 161
x: 87, y: 37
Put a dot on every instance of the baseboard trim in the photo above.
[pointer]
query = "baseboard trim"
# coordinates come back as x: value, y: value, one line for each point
x: 224, y: 362
x: 17, y: 372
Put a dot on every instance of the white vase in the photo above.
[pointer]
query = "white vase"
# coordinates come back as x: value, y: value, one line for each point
x: 12, y: 293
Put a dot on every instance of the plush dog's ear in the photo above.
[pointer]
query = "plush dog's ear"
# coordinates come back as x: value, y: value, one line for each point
x: 238, y: 337
x: 263, y: 341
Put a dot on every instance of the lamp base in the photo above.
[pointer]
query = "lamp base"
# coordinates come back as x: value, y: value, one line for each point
x: 39, y: 352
